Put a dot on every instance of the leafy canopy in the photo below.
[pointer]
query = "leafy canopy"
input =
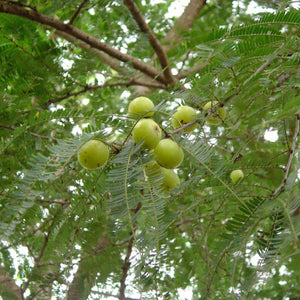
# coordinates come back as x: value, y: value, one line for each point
x: 68, y: 72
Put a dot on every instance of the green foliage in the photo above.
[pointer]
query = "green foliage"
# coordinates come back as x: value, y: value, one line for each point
x: 212, y: 237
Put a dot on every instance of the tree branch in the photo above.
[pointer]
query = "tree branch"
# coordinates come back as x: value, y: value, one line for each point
x: 78, y: 289
x: 78, y: 11
x: 107, y: 84
x: 110, y: 61
x: 184, y: 22
x: 43, y: 137
x: 37, y: 260
x: 290, y: 159
x: 36, y: 16
x: 126, y: 264
x: 186, y: 73
x: 8, y: 287
x: 82, y: 283
x: 160, y: 52
x: 112, y: 295
x: 57, y: 201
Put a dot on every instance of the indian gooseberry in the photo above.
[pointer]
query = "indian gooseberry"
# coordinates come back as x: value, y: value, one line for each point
x: 167, y: 178
x: 184, y: 114
x: 93, y: 154
x: 168, y: 154
x: 217, y: 116
x: 236, y: 175
x: 170, y: 179
x: 141, y: 106
x: 148, y: 131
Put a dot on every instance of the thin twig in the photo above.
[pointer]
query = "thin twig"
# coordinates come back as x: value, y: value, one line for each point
x: 78, y: 11
x: 37, y: 260
x: 43, y: 137
x: 126, y: 264
x: 96, y: 87
x: 263, y: 66
x: 61, y: 202
x: 290, y: 159
x: 185, y: 73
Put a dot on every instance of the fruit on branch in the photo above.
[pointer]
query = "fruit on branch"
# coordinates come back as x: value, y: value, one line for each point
x: 166, y: 179
x: 170, y: 179
x: 184, y: 114
x: 217, y: 116
x: 236, y: 175
x: 93, y: 154
x: 168, y: 154
x: 152, y: 168
x: 141, y: 106
x: 148, y: 131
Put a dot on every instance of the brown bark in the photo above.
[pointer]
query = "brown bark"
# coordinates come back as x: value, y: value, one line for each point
x: 81, y: 285
x: 184, y: 22
x: 34, y: 15
x: 79, y: 288
x: 159, y: 50
x: 8, y: 287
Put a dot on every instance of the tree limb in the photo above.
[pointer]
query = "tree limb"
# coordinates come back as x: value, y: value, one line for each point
x: 78, y: 11
x: 36, y: 16
x: 160, y: 52
x: 126, y: 264
x: 107, y: 84
x: 43, y: 137
x: 37, y: 259
x: 8, y: 287
x: 82, y: 284
x: 290, y: 159
x: 185, y: 73
x: 112, y: 295
x: 184, y: 22
x: 79, y: 288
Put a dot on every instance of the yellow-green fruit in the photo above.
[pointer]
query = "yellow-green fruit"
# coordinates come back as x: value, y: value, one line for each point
x: 93, y: 154
x: 148, y: 131
x: 153, y: 172
x: 236, y: 175
x: 140, y: 106
x: 170, y: 179
x: 168, y: 154
x: 152, y: 167
x: 217, y: 116
x: 184, y: 114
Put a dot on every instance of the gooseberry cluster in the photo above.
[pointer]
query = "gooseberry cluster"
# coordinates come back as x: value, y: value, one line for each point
x: 168, y: 155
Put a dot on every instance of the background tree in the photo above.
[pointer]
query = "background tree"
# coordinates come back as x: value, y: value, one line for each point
x: 68, y: 72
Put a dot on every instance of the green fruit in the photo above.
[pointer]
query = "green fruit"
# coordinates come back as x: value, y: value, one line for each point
x: 148, y: 131
x: 93, y: 154
x: 140, y: 106
x: 184, y: 114
x: 236, y: 175
x: 152, y: 167
x: 170, y: 179
x: 217, y: 116
x: 168, y: 154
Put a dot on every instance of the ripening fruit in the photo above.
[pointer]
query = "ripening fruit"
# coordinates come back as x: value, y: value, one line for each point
x: 168, y: 154
x: 218, y: 116
x: 140, y: 106
x: 148, y: 131
x: 93, y: 154
x: 184, y: 115
x: 236, y: 175
x: 170, y: 179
